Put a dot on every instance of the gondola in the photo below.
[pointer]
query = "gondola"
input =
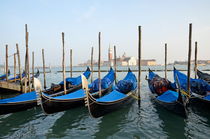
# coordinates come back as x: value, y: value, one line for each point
x: 17, y: 78
x: 2, y: 77
x: 72, y: 84
x: 27, y: 100
x: 12, y: 86
x: 21, y: 102
x: 199, y: 93
x: 165, y: 94
x: 56, y: 103
x: 122, y: 95
x: 203, y: 76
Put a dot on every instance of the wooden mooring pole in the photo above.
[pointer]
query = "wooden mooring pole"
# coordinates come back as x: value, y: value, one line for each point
x: 196, y: 61
x: 43, y: 60
x: 33, y: 69
x: 165, y: 60
x: 19, y: 67
x: 189, y: 58
x: 115, y: 64
x: 6, y: 62
x: 71, y: 62
x: 63, y: 64
x: 15, y: 67
x: 91, y: 64
x: 139, y: 64
x: 27, y: 70
x: 99, y: 63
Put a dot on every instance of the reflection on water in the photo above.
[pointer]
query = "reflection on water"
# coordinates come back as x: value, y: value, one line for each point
x: 113, y: 123
x: 173, y: 125
x: 148, y: 121
x: 11, y: 123
x: 69, y: 121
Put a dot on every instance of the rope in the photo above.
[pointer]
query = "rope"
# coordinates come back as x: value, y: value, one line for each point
x: 134, y: 96
x: 185, y: 93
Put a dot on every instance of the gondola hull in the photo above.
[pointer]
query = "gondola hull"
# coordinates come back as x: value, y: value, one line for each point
x: 196, y: 101
x: 51, y: 105
x: 58, y: 89
x: 175, y: 107
x: 60, y: 92
x: 98, y: 109
x: 9, y: 91
x: 16, y: 107
x: 199, y: 88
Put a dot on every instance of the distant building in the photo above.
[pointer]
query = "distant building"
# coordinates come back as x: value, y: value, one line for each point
x: 121, y: 61
x: 129, y: 61
x: 110, y: 55
x: 148, y: 62
x: 200, y: 62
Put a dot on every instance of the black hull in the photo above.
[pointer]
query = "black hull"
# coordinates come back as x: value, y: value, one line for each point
x: 16, y: 107
x: 98, y: 109
x: 50, y: 105
x: 8, y: 91
x: 196, y: 101
x: 176, y: 107
x: 53, y: 93
x: 53, y: 106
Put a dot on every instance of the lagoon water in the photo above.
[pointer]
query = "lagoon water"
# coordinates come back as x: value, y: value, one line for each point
x: 146, y: 121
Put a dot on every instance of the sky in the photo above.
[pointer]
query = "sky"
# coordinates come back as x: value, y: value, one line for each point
x: 162, y: 21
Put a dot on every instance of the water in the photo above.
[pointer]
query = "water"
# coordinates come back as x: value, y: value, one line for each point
x: 148, y: 121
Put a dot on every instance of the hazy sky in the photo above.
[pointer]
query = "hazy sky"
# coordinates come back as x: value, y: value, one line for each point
x: 81, y: 20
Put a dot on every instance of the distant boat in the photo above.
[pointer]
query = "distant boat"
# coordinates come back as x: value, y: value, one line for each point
x: 60, y: 102
x: 121, y: 96
x: 165, y: 94
x: 199, y: 89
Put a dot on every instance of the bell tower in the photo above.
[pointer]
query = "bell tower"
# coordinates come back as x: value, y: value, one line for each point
x: 110, y: 55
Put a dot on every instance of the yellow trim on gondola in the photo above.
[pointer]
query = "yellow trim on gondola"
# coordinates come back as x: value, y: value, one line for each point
x: 133, y: 95
x: 185, y: 93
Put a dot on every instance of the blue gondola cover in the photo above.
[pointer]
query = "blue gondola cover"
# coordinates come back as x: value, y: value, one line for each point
x: 20, y: 98
x: 77, y: 80
x: 168, y: 96
x: 198, y: 86
x: 119, y: 93
x: 127, y: 84
x: 113, y: 96
x: 105, y: 82
x: 207, y: 98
